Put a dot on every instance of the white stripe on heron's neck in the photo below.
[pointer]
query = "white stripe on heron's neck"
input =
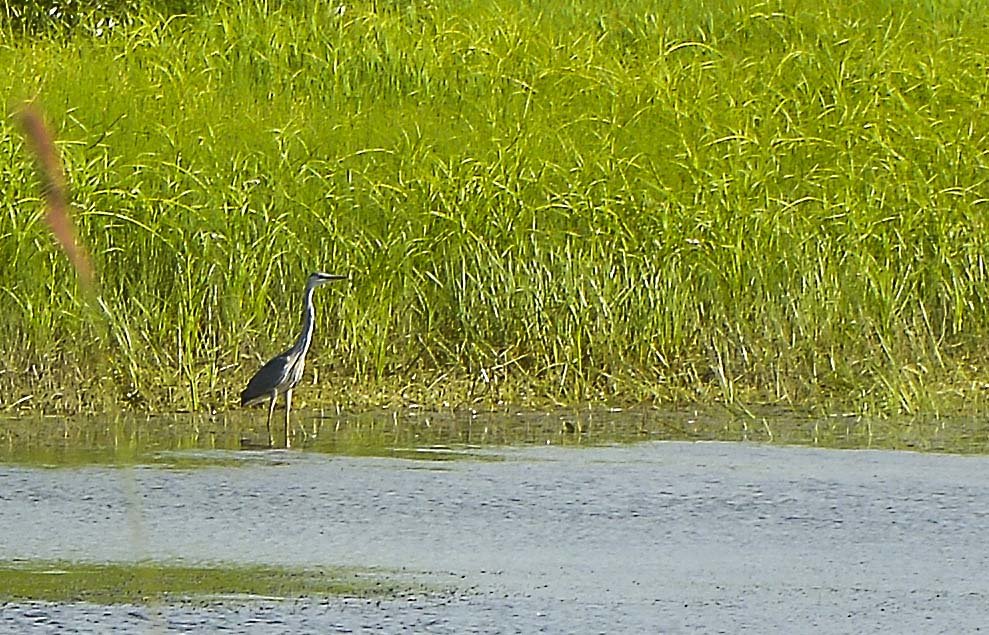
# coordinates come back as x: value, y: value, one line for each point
x: 308, y: 319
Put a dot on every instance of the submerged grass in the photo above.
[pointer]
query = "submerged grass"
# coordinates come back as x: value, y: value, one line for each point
x: 538, y: 203
x: 147, y: 582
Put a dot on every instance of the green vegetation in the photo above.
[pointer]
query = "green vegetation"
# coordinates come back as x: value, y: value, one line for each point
x: 538, y: 202
x: 145, y: 582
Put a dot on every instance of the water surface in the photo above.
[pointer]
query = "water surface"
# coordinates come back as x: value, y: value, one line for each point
x: 129, y: 439
x: 658, y: 536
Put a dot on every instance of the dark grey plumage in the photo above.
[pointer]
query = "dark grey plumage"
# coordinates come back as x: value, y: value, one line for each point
x: 282, y: 373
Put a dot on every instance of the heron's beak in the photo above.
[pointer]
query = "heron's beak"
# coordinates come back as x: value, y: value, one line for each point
x: 331, y: 277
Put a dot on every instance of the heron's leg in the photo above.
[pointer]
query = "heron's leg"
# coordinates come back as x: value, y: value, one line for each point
x: 288, y: 408
x: 271, y: 411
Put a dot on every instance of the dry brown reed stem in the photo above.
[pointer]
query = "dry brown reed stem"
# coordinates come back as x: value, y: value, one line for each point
x: 41, y: 142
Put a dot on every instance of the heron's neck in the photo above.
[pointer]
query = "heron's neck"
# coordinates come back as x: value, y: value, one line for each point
x: 308, y: 320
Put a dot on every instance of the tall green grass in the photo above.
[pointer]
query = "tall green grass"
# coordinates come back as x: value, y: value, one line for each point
x: 638, y: 201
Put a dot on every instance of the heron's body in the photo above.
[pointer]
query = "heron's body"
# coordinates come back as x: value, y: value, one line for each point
x: 283, y: 373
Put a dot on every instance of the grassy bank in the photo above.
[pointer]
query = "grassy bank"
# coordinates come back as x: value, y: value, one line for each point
x: 625, y: 202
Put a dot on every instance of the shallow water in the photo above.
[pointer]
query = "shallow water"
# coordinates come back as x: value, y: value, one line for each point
x: 648, y: 537
x: 167, y: 440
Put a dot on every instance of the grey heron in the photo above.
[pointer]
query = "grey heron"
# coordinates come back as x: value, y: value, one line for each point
x: 282, y: 373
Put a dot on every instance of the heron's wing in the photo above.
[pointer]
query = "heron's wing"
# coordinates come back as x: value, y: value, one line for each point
x: 265, y: 380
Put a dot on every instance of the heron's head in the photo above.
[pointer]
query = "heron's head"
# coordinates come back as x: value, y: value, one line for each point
x: 318, y: 279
